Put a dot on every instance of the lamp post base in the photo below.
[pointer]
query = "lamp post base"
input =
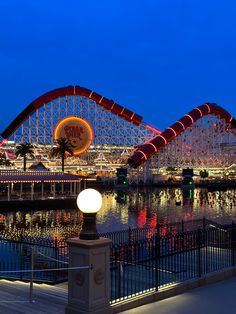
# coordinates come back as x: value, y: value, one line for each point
x: 89, y: 229
x: 89, y: 288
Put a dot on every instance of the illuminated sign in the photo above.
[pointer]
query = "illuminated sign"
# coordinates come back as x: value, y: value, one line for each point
x: 77, y: 130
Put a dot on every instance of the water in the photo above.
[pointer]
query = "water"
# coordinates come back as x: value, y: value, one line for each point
x: 128, y: 208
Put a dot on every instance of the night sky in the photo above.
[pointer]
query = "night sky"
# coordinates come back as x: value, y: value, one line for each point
x: 159, y: 58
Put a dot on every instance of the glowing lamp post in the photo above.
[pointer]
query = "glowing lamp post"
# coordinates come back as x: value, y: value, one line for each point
x: 89, y: 289
x: 89, y: 202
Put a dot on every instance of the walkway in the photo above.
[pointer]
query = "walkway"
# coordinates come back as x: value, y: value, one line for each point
x: 14, y: 298
x: 217, y: 298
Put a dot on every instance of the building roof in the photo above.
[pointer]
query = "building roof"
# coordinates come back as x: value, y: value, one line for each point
x: 36, y: 177
x: 38, y: 166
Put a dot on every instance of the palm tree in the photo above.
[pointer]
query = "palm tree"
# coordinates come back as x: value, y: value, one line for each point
x: 63, y: 146
x: 24, y: 150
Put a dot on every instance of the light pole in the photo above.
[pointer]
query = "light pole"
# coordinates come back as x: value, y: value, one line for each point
x: 89, y: 202
x: 89, y: 289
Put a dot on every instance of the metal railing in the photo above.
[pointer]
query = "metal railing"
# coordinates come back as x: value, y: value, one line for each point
x: 156, y: 262
x: 142, y: 260
x: 169, y: 229
x: 16, y: 257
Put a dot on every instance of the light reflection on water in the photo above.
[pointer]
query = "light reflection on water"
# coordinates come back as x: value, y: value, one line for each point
x: 147, y: 207
x: 130, y: 208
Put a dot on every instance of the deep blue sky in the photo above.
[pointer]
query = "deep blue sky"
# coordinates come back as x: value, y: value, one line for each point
x: 160, y: 58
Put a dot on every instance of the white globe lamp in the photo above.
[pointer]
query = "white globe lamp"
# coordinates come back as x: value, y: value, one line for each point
x: 89, y: 201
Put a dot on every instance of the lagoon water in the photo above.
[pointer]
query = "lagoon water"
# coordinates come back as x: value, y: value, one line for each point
x: 139, y: 207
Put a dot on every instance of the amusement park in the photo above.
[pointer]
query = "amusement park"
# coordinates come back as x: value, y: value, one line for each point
x: 102, y: 138
x: 166, y: 197
x: 117, y: 157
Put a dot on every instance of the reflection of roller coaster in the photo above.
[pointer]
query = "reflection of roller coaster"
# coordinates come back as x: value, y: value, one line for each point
x: 205, y: 137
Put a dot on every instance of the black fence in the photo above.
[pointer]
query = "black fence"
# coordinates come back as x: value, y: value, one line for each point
x: 49, y: 259
x: 156, y: 262
x: 170, y: 229
x: 142, y: 260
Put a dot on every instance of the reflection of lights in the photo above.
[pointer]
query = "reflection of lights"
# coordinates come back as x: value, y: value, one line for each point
x: 190, y: 193
x: 152, y: 221
x: 141, y: 219
x: 124, y: 215
x: 217, y: 206
x: 2, y: 218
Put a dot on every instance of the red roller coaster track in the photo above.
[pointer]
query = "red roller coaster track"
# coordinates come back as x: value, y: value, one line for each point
x: 70, y: 91
x: 151, y: 147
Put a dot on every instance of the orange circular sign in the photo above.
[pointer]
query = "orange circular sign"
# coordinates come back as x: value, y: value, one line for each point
x: 77, y: 130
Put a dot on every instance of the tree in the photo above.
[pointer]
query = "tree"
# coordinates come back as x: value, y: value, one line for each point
x: 63, y: 146
x: 204, y: 173
x: 24, y: 150
x: 4, y: 161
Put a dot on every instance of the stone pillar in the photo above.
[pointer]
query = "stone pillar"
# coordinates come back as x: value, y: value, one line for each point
x: 89, y: 289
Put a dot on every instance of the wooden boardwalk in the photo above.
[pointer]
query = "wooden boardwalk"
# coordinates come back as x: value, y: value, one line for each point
x: 15, y: 298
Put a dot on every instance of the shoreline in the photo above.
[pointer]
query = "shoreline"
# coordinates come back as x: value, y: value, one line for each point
x: 70, y: 202
x: 47, y: 203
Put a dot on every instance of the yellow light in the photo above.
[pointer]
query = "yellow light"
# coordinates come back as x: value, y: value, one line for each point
x: 208, y: 107
x: 181, y: 124
x: 199, y: 111
x: 144, y: 155
x: 100, y: 100
x: 163, y: 138
x: 153, y: 146
x: 173, y: 131
x: 188, y: 115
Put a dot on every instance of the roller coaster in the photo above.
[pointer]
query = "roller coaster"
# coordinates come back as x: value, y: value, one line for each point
x: 203, y: 138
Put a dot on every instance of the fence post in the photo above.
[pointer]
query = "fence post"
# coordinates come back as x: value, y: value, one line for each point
x: 21, y: 256
x: 232, y: 244
x: 119, y: 271
x: 31, y: 275
x: 205, y: 242
x: 157, y: 258
x: 56, y: 262
x: 199, y: 245
x: 130, y: 255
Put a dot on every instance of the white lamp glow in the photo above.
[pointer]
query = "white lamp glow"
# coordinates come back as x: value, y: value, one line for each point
x: 89, y: 201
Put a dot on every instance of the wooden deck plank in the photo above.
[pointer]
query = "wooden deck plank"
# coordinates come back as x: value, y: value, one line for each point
x: 14, y: 298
